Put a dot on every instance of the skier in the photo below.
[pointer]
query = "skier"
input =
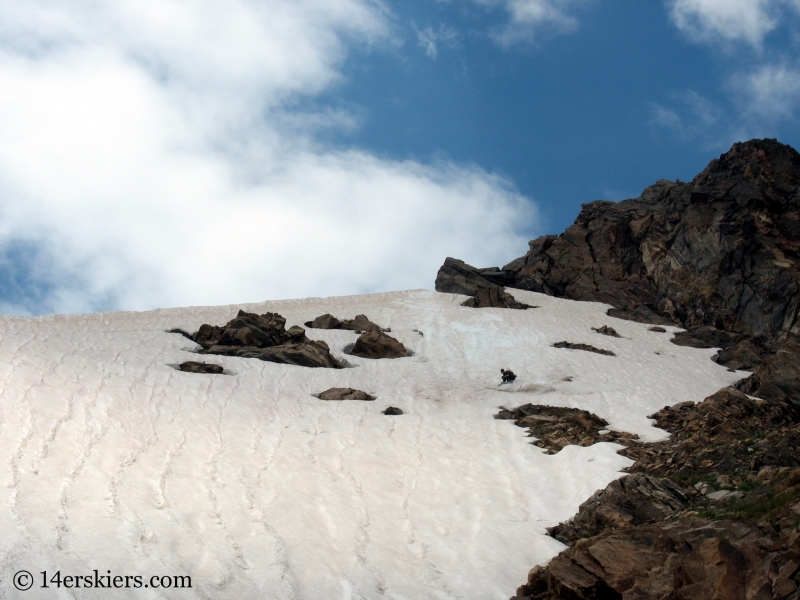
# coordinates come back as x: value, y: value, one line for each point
x: 508, y: 376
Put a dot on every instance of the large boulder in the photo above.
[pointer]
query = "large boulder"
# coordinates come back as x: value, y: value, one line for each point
x: 326, y: 321
x: 359, y: 323
x: 344, y: 394
x: 494, y: 297
x: 457, y: 277
x: 376, y: 344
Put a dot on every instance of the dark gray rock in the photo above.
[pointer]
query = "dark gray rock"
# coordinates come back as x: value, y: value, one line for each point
x: 777, y: 377
x: 606, y: 330
x: 376, y: 344
x: 307, y: 354
x: 632, y: 500
x: 706, y: 337
x: 359, y: 323
x: 457, y: 277
x: 344, y: 394
x: 555, y: 427
x: 657, y: 329
x: 585, y: 347
x: 744, y: 355
x: 180, y: 331
x: 199, y: 367
x: 393, y: 410
x: 494, y: 297
x: 326, y: 321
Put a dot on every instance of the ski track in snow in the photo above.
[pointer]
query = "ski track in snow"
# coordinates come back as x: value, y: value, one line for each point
x: 111, y: 459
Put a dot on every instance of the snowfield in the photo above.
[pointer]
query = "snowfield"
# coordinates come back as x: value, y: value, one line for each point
x: 114, y: 460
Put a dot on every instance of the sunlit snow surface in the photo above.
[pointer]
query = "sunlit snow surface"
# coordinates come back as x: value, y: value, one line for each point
x: 113, y: 460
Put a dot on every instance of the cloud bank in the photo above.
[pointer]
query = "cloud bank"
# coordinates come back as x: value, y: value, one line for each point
x: 152, y: 153
x: 730, y: 20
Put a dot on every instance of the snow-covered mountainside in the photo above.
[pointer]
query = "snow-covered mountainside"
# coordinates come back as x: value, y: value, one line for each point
x: 114, y: 460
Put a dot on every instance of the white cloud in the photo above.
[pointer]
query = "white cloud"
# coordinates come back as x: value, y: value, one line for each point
x: 728, y: 20
x: 771, y: 92
x: 429, y: 38
x: 149, y: 152
x: 529, y: 18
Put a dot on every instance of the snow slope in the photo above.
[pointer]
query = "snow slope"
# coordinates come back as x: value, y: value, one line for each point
x: 113, y: 460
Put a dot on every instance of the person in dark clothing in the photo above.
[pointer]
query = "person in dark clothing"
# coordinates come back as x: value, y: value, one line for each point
x: 508, y: 376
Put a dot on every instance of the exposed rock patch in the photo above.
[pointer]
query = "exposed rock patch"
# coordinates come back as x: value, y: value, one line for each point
x: 556, y: 427
x: 632, y: 500
x: 657, y: 329
x: 687, y: 559
x: 777, y: 377
x: 392, y: 410
x: 706, y: 337
x: 494, y: 297
x: 265, y: 337
x: 344, y: 394
x: 585, y: 347
x: 712, y: 512
x: 727, y: 434
x: 376, y: 344
x: 359, y: 323
x: 606, y: 330
x: 200, y: 367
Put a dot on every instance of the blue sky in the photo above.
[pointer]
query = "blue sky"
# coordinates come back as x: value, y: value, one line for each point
x: 600, y: 110
x: 168, y: 152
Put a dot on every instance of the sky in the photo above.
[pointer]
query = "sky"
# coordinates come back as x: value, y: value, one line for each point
x: 158, y: 153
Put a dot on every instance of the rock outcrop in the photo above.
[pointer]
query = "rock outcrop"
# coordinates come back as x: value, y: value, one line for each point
x: 555, y: 427
x: 721, y: 251
x: 494, y: 297
x: 191, y: 366
x: 359, y: 323
x: 688, y: 559
x: 376, y: 344
x: 777, y: 376
x: 265, y: 337
x: 393, y: 411
x: 344, y: 394
x: 584, y: 347
x: 606, y: 330
x: 720, y: 497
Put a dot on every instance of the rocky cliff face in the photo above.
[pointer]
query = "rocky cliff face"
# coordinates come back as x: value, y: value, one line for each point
x: 723, y: 250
